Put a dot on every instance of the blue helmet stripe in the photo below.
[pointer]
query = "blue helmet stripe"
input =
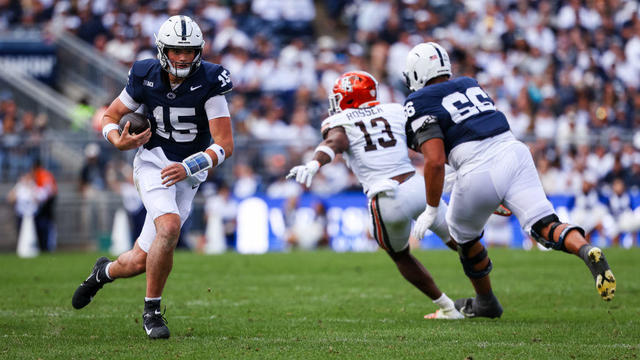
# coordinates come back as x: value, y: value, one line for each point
x: 183, y: 24
x: 439, y: 55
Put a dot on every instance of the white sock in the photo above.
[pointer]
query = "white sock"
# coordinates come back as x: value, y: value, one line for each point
x: 152, y: 299
x: 444, y: 302
x: 106, y: 270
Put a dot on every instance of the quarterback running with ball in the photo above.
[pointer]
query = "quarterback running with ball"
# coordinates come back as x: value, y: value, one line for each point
x: 183, y: 98
x: 373, y: 138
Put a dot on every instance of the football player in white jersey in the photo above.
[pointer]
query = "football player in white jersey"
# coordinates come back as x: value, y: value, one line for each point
x: 373, y: 139
x: 183, y: 97
x: 456, y: 120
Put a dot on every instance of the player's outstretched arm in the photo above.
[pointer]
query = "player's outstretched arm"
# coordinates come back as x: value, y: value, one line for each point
x: 336, y: 142
x: 124, y: 141
x: 434, y: 160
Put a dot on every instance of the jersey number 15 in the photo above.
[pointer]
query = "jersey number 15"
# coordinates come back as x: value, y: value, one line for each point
x: 183, y: 131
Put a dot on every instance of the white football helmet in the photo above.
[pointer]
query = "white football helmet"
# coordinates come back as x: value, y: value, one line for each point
x: 179, y: 32
x: 425, y: 62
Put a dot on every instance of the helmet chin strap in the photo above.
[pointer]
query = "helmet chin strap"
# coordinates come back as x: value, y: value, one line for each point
x: 181, y: 73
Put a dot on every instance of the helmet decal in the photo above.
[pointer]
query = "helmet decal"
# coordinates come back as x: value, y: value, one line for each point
x: 425, y: 62
x: 355, y: 89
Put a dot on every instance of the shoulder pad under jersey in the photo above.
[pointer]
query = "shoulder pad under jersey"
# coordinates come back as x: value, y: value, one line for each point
x: 141, y: 68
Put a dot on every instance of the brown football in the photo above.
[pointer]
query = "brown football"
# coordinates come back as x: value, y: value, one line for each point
x: 139, y: 123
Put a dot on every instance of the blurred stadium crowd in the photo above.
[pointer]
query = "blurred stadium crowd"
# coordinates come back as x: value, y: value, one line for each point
x: 566, y: 74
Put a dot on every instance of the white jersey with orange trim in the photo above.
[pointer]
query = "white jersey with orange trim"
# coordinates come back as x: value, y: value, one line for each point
x: 377, y: 142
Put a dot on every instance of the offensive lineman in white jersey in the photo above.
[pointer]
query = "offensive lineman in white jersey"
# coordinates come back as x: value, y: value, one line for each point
x: 373, y: 138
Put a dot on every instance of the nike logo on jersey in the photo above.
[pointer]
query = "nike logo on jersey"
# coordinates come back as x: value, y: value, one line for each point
x: 195, y: 87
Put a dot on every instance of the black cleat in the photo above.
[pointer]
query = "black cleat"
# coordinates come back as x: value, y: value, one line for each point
x: 88, y: 289
x: 470, y: 308
x: 605, y: 281
x: 155, y: 324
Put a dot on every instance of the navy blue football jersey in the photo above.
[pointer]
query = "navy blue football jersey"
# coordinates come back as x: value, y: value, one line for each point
x: 179, y: 123
x: 457, y: 111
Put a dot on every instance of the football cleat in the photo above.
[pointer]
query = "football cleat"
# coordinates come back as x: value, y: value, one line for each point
x: 448, y: 314
x: 605, y: 281
x: 155, y: 324
x: 502, y: 211
x: 470, y: 308
x: 88, y: 289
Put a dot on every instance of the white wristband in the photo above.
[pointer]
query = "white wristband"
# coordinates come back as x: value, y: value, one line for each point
x: 327, y: 150
x: 107, y: 128
x: 219, y: 151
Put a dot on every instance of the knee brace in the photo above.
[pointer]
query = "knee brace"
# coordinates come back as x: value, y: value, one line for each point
x: 469, y: 262
x: 536, y: 231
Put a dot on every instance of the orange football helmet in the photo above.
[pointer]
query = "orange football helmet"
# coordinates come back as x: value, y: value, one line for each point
x: 354, y: 89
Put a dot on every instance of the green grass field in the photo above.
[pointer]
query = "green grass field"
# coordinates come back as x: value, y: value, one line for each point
x: 320, y: 305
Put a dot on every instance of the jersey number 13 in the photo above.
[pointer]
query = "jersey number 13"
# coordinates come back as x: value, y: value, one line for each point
x: 385, y: 143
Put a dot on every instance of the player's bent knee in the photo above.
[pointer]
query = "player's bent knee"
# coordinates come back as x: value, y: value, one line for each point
x: 555, y: 237
x: 168, y: 226
x: 398, y: 255
x: 140, y: 265
x: 138, y: 260
x: 471, y: 262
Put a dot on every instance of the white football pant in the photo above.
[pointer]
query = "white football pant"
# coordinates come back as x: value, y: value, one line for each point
x: 158, y: 199
x: 509, y: 177
x: 391, y: 217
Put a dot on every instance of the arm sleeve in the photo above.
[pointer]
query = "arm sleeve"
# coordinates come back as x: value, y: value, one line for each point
x: 134, y: 87
x: 333, y: 121
x: 216, y: 107
x: 128, y: 101
x: 427, y: 132
x: 423, y: 128
x: 324, y: 128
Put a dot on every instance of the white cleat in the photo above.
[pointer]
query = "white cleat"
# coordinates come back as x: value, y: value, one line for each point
x: 449, y: 314
x: 502, y: 211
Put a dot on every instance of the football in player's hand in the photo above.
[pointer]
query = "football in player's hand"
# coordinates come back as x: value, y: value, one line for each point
x: 139, y: 123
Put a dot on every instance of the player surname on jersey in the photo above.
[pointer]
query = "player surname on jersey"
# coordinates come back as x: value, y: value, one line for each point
x: 354, y: 113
